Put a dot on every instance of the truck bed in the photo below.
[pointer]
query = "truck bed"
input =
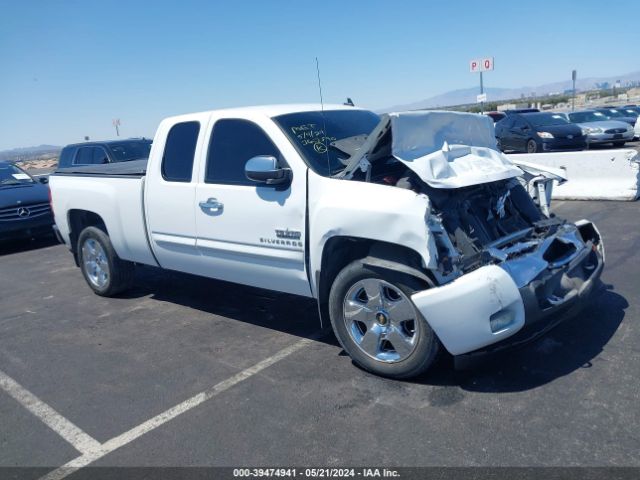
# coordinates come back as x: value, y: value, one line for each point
x: 114, y: 192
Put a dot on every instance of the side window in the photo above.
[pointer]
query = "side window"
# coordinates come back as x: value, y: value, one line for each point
x: 66, y: 157
x: 84, y: 156
x: 233, y: 142
x: 99, y: 156
x: 177, y: 161
x: 519, y: 123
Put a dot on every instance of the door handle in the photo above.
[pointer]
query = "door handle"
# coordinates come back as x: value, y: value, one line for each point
x: 211, y: 205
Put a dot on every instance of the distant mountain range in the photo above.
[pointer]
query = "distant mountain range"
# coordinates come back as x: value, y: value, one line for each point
x: 28, y: 153
x: 468, y: 95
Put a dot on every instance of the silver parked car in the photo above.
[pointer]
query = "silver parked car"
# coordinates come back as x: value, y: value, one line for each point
x: 599, y: 129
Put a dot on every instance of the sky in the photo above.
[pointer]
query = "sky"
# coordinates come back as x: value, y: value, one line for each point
x: 68, y: 68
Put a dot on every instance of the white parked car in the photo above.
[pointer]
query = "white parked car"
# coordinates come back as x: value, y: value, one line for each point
x: 636, y: 129
x: 411, y: 230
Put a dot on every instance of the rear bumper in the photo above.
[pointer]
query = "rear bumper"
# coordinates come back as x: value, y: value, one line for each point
x: 495, y: 307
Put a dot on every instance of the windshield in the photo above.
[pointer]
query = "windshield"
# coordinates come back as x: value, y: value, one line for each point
x: 127, y: 151
x: 12, y: 175
x: 545, y: 119
x: 585, y: 117
x: 312, y: 132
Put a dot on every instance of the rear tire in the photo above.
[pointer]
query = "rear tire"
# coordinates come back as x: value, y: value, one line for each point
x: 105, y: 272
x: 532, y: 146
x: 378, y: 325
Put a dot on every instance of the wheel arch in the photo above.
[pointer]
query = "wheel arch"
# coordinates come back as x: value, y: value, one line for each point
x: 339, y: 251
x: 78, y: 220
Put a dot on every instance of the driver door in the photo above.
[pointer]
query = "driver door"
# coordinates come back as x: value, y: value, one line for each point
x: 248, y: 232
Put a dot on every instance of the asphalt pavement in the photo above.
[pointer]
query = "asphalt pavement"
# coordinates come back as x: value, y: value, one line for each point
x: 185, y: 371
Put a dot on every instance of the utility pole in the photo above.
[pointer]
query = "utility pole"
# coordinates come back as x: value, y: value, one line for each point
x: 481, y: 93
x: 574, y: 74
x: 116, y: 123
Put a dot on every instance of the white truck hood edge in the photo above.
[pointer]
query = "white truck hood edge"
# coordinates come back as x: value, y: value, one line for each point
x: 445, y: 149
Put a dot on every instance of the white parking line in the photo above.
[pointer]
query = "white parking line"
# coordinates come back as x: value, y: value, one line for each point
x: 81, y: 441
x: 100, y: 450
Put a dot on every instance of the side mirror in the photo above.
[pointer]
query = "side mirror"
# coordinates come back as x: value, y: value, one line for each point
x: 43, y: 179
x: 264, y: 169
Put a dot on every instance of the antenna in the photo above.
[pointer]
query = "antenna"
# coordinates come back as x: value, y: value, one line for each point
x: 324, y: 123
x: 319, y: 85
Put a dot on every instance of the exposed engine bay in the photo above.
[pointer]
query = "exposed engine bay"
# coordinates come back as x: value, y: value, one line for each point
x: 484, y: 208
x: 472, y: 223
x: 499, y: 223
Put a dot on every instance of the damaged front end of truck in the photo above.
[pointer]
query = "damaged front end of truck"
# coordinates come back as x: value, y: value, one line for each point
x: 507, y: 269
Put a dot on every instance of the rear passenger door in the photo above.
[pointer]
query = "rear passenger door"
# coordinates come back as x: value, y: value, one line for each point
x: 255, y: 235
x: 170, y: 192
x: 503, y: 132
x: 520, y: 132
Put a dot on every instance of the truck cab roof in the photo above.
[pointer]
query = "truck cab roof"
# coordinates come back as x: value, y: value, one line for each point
x: 268, y: 110
x: 90, y: 143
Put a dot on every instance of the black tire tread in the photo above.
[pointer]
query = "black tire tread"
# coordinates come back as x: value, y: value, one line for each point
x: 414, y: 365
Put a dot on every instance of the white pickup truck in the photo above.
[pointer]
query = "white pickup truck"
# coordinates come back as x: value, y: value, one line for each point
x: 412, y: 231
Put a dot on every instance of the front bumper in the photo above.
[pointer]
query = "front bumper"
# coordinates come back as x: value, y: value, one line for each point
x: 27, y: 227
x: 595, y: 138
x: 498, y: 306
x: 555, y: 144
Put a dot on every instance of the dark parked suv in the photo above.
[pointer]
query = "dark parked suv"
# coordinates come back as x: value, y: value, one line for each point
x: 24, y: 204
x: 92, y: 153
x: 538, y: 132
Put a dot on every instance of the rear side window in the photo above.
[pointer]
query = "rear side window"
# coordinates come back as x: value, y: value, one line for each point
x: 91, y: 156
x: 84, y: 156
x: 66, y: 157
x: 233, y: 142
x: 519, y: 123
x: 177, y: 161
x: 507, y: 122
x: 99, y: 156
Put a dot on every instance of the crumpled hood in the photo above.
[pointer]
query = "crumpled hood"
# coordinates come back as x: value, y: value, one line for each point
x: 445, y: 149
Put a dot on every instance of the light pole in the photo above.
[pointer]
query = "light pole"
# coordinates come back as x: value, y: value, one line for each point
x: 574, y: 74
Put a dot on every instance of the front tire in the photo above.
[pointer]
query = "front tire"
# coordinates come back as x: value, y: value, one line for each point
x: 378, y: 325
x: 532, y: 146
x: 105, y: 272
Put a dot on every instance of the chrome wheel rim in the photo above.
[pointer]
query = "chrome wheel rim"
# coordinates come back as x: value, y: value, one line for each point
x: 381, y: 320
x: 95, y: 262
